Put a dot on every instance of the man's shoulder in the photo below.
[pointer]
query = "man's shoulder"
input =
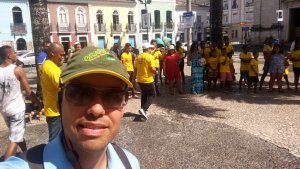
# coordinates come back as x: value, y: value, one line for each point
x: 115, y: 160
x: 14, y: 162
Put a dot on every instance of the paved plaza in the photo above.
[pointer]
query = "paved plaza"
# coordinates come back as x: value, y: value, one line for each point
x: 215, y: 129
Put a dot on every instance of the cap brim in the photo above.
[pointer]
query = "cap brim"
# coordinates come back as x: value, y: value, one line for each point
x: 96, y: 71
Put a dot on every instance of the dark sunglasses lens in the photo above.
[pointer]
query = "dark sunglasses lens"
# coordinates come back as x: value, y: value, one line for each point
x: 84, y: 95
x: 79, y: 94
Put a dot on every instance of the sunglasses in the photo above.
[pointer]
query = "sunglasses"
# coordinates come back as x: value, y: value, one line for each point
x: 81, y: 95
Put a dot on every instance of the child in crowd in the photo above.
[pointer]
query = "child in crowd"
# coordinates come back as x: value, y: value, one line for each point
x: 213, y: 62
x: 276, y: 68
x: 32, y: 113
x: 253, y: 72
x: 225, y: 74
x: 286, y: 72
x: 232, y: 69
x: 245, y: 57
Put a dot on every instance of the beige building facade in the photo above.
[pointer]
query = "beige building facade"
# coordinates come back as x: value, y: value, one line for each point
x: 267, y: 25
x: 113, y: 22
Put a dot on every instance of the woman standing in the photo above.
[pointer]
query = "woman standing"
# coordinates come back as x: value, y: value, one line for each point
x: 172, y: 70
x: 276, y: 68
x: 197, y: 69
x: 295, y: 58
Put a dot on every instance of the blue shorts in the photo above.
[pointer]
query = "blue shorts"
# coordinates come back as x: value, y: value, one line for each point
x: 244, y: 74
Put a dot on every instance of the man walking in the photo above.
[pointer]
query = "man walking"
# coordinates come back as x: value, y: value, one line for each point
x: 50, y: 73
x: 12, y: 106
x: 93, y: 96
x: 145, y: 71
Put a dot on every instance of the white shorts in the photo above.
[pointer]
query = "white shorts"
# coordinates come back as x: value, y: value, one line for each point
x: 16, y: 126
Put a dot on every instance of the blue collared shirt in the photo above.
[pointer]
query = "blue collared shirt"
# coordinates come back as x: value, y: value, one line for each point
x: 41, y: 57
x: 55, y: 158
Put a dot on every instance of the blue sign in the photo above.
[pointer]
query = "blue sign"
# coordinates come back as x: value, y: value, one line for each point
x: 187, y: 14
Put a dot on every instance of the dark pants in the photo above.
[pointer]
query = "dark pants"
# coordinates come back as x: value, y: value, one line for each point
x: 54, y: 126
x: 148, y: 95
x: 131, y: 78
x: 181, y: 68
x: 156, y: 82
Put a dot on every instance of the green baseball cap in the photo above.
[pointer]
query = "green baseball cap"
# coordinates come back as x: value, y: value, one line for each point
x: 93, y: 60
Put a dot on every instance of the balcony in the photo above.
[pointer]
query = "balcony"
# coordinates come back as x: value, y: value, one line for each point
x: 64, y: 28
x: 131, y: 28
x: 18, y: 29
x: 143, y: 29
x: 169, y: 26
x: 116, y: 28
x: 100, y: 28
x: 81, y: 28
x: 180, y: 26
x: 157, y: 27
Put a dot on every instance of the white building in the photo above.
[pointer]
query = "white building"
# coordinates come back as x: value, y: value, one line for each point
x: 238, y: 18
x: 201, y: 21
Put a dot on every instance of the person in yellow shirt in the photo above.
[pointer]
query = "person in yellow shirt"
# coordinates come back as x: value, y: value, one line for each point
x: 253, y: 72
x: 267, y: 52
x: 229, y: 47
x: 213, y: 63
x: 205, y: 52
x: 295, y: 58
x: 145, y: 71
x: 245, y: 57
x: 157, y: 54
x: 182, y: 54
x: 225, y: 75
x: 50, y: 75
x: 286, y: 72
x: 127, y: 60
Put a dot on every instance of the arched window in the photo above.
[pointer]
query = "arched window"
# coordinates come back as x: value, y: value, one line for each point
x: 80, y: 16
x: 130, y: 17
x: 115, y: 17
x: 17, y: 15
x: 63, y: 16
x: 99, y: 17
x: 21, y: 44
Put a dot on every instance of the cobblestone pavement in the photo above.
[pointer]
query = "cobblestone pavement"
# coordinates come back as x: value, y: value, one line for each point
x: 214, y: 130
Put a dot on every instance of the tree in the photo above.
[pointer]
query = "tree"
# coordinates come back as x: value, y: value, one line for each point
x: 216, y: 10
x: 40, y: 28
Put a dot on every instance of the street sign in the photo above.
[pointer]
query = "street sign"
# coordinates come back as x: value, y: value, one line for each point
x: 188, y: 19
x: 146, y: 20
x: 279, y: 15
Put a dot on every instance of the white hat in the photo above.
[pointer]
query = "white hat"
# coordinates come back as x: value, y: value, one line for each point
x: 171, y: 47
x: 147, y: 46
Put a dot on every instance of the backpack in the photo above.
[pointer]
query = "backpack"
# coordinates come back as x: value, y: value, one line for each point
x: 34, y: 156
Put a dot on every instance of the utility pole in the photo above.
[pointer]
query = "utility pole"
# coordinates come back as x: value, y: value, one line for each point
x: 189, y: 30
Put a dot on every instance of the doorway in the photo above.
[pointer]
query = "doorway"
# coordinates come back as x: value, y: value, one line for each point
x: 294, y: 23
x: 101, y: 41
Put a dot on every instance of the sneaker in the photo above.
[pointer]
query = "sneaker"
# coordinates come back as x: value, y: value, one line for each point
x: 143, y: 113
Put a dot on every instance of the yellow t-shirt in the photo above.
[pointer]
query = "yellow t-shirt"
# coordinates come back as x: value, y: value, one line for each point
x: 213, y: 63
x: 245, y: 66
x: 50, y: 75
x: 296, y: 55
x: 254, y: 65
x: 144, y: 63
x: 157, y: 56
x: 219, y: 52
x: 225, y: 67
x: 206, y: 53
x: 127, y: 61
x: 267, y: 49
x: 229, y: 48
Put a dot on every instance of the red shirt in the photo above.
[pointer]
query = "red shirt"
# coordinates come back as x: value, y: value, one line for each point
x: 171, y: 62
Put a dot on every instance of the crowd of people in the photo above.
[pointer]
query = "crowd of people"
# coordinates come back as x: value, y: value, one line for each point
x: 96, y: 83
